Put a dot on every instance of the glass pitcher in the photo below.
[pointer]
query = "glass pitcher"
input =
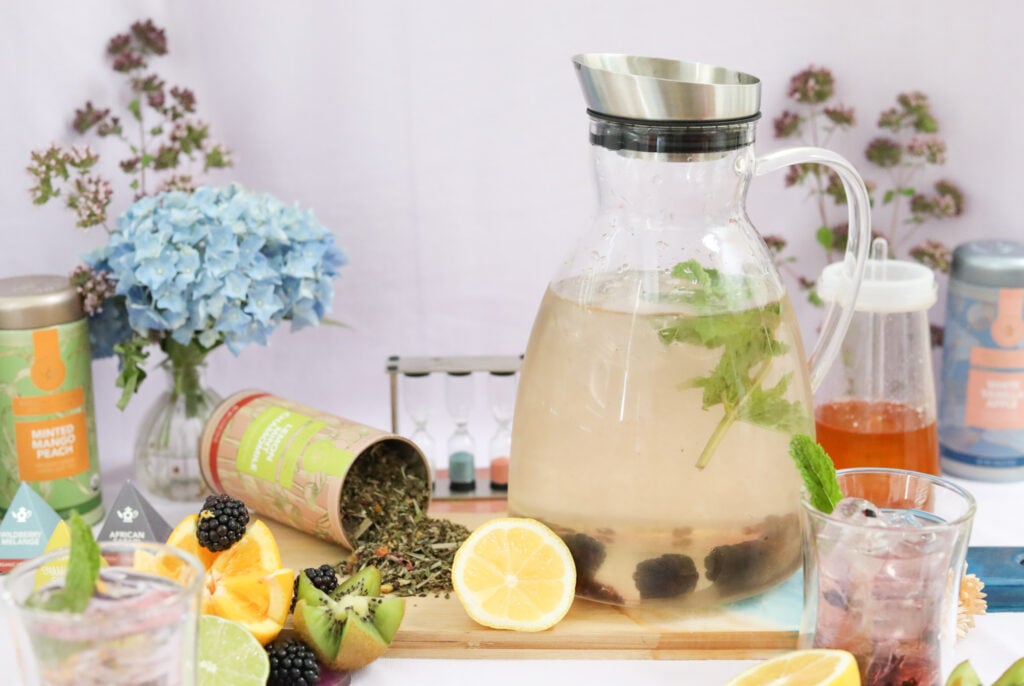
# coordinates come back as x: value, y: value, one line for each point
x: 665, y: 374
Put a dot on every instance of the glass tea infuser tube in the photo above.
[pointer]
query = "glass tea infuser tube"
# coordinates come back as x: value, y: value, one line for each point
x: 665, y: 375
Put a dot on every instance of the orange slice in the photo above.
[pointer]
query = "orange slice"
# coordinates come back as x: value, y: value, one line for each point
x: 817, y: 667
x: 514, y: 573
x: 257, y: 549
x: 260, y: 604
x: 244, y: 583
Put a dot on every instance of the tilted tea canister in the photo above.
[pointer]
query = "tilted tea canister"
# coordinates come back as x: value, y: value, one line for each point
x: 290, y: 462
x: 981, y: 415
x: 47, y: 425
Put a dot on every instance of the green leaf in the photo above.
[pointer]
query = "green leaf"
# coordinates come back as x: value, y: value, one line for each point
x: 826, y: 238
x: 166, y: 158
x: 83, y: 570
x: 132, y: 356
x: 215, y: 159
x: 136, y: 109
x: 907, y: 192
x: 818, y: 472
x: 747, y: 340
x: 770, y: 409
x: 887, y: 198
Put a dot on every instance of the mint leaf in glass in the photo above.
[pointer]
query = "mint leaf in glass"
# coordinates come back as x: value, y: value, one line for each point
x: 818, y: 472
x: 83, y: 570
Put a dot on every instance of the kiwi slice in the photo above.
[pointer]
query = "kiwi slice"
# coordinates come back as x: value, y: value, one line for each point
x: 963, y: 675
x: 350, y: 627
x: 364, y: 582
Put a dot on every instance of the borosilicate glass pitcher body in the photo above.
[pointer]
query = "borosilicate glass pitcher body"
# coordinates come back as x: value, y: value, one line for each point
x: 665, y: 375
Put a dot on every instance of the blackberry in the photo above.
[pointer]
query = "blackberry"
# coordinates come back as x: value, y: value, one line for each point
x: 667, y: 576
x: 739, y: 566
x: 587, y: 553
x: 221, y: 522
x: 292, y: 663
x: 323, y: 577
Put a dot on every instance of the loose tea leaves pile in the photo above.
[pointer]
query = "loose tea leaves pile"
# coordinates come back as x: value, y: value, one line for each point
x: 384, y: 515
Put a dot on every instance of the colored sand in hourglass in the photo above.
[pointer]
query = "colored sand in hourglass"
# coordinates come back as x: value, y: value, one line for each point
x: 502, y: 390
x: 461, y: 447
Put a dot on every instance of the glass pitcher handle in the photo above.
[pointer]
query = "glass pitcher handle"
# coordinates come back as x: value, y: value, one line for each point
x: 839, y: 313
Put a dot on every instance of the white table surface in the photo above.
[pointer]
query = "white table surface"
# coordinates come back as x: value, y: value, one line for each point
x: 996, y: 641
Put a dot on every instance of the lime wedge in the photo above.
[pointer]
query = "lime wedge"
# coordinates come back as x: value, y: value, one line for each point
x: 229, y: 654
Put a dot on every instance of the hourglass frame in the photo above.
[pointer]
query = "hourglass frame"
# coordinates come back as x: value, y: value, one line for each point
x: 401, y: 366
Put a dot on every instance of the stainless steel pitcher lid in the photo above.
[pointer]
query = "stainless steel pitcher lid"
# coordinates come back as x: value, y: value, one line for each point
x: 654, y: 89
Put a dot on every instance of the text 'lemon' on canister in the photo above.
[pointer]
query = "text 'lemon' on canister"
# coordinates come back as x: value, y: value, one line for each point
x: 47, y: 425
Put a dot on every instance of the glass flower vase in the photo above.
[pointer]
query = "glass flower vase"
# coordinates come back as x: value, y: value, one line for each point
x: 167, y: 445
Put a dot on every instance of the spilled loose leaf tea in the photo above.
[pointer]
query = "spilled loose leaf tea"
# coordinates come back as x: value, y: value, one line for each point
x: 384, y: 505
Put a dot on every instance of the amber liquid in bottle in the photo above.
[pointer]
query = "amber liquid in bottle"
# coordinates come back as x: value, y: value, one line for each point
x: 865, y: 433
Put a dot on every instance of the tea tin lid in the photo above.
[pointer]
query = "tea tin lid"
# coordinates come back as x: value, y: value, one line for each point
x: 993, y: 263
x: 32, y: 302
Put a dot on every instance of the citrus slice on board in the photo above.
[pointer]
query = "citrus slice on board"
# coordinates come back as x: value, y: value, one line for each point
x: 514, y: 573
x: 817, y: 667
x: 229, y: 654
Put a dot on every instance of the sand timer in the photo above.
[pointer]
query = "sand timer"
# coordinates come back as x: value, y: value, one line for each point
x: 461, y: 446
x: 416, y: 389
x: 501, y: 388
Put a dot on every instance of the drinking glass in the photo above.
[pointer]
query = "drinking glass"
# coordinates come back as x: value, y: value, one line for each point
x: 138, y: 628
x: 882, y: 573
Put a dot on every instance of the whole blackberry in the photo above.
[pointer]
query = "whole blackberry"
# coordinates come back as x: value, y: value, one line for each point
x: 323, y: 577
x: 292, y: 663
x: 667, y: 576
x: 221, y: 522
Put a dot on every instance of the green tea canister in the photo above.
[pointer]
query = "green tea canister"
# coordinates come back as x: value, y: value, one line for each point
x: 47, y: 424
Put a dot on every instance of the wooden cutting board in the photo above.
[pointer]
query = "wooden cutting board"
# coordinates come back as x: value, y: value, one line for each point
x: 440, y: 628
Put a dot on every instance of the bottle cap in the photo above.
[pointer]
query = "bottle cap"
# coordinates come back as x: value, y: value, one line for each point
x: 888, y: 286
x: 997, y: 264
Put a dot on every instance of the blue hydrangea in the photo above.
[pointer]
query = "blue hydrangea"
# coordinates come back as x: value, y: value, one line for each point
x: 218, y: 265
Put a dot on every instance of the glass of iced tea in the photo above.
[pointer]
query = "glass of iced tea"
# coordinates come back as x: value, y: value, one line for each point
x: 882, y: 575
x: 138, y: 628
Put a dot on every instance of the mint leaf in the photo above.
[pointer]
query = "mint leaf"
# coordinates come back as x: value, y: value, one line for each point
x: 83, y: 570
x: 768, y: 408
x: 818, y: 472
x: 748, y: 343
x: 709, y: 288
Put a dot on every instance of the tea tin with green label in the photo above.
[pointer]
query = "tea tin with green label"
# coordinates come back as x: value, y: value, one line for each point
x: 47, y: 424
x: 289, y: 462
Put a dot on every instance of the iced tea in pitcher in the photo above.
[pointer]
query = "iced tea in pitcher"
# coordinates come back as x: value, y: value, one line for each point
x: 665, y: 375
